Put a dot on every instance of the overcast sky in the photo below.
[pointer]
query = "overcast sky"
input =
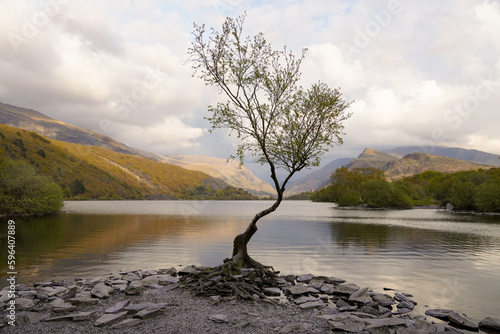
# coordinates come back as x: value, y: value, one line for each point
x: 420, y: 72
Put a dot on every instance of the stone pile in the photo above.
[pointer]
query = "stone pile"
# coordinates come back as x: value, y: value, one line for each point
x: 340, y: 306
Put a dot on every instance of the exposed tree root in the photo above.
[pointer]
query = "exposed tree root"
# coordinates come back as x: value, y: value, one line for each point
x: 232, y: 279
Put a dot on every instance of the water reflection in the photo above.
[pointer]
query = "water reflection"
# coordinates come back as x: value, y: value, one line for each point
x: 448, y: 260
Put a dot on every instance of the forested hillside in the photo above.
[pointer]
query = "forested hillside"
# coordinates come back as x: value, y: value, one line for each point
x: 89, y: 172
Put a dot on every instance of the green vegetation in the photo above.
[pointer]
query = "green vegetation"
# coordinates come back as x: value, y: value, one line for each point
x: 24, y: 191
x: 229, y: 193
x: 477, y: 190
x: 89, y: 172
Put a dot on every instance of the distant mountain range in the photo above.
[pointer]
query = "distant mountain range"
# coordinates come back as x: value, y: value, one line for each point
x: 32, y: 120
x: 398, y: 163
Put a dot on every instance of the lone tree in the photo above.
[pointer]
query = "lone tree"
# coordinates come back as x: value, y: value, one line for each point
x: 277, y: 121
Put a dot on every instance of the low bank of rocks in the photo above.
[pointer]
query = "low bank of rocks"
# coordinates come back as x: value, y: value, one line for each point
x: 153, y: 301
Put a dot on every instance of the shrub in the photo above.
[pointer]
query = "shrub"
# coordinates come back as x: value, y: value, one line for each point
x: 24, y: 191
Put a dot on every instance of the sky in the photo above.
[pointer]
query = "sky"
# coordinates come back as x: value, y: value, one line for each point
x: 424, y: 73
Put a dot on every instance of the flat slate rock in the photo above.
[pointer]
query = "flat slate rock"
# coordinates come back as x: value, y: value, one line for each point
x: 492, y: 323
x: 361, y: 296
x: 134, y: 308
x: 462, y: 321
x: 312, y: 305
x: 438, y: 313
x: 108, y: 318
x: 151, y: 312
x: 118, y: 306
x: 347, y: 288
x: 220, y: 318
x: 298, y: 289
x: 83, y: 301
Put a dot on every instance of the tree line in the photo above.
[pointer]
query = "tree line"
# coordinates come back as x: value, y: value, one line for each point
x: 477, y: 190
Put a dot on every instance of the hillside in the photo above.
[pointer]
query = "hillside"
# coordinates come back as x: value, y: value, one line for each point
x: 32, y: 120
x: 229, y: 171
x: 415, y: 163
x: 450, y: 152
x: 317, y: 179
x: 103, y: 173
x: 372, y: 158
x: 35, y: 121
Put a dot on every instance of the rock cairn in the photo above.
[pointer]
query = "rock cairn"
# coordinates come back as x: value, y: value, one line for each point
x: 341, y: 306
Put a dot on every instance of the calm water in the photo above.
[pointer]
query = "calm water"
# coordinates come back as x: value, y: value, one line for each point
x: 445, y: 260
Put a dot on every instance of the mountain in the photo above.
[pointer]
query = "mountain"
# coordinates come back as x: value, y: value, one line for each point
x: 98, y: 172
x: 32, y: 120
x: 450, y: 152
x: 372, y: 158
x: 415, y: 163
x: 229, y: 171
x: 317, y: 179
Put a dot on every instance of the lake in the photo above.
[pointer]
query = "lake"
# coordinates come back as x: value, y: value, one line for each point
x: 445, y: 259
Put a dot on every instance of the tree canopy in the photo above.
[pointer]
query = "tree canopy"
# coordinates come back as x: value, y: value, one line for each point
x: 25, y: 191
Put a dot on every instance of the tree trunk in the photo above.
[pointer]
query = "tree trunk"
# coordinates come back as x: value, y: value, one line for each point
x: 240, y: 253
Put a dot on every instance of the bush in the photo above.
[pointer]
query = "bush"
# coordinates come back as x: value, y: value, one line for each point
x: 487, y: 196
x: 24, y: 191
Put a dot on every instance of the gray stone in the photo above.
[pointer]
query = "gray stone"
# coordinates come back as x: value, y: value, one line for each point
x: 214, y: 300
x: 491, y: 323
x: 327, y: 288
x: 438, y: 313
x: 167, y: 279
x: 462, y: 321
x: 150, y: 280
x: 23, y: 319
x: 403, y: 310
x: 59, y: 305
x: 348, y: 324
x: 118, y: 307
x: 316, y: 283
x: 361, y: 296
x: 26, y: 294
x: 50, y: 291
x: 130, y: 277
x: 24, y: 303
x: 151, y: 312
x: 305, y: 278
x: 118, y: 282
x: 220, y: 318
x: 134, y: 308
x: 108, y: 318
x: 387, y: 322
x: 71, y: 292
x: 347, y: 308
x: 294, y: 328
x: 404, y: 298
x: 83, y: 301
x: 135, y: 288
x: 127, y: 323
x: 82, y: 316
x: 305, y: 299
x: 188, y: 270
x: 406, y: 305
x: 272, y: 291
x: 347, y: 288
x: 342, y: 303
x: 384, y: 299
x: 298, y: 289
x: 312, y: 305
x: 101, y: 290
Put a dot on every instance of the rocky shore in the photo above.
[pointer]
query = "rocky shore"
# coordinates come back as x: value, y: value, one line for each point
x: 154, y: 301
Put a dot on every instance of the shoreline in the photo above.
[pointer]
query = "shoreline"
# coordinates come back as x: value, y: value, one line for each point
x: 155, y: 301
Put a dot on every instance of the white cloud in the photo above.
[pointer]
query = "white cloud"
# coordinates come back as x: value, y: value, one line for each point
x: 123, y: 63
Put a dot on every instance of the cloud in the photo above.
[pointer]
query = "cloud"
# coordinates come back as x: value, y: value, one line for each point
x: 423, y: 72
